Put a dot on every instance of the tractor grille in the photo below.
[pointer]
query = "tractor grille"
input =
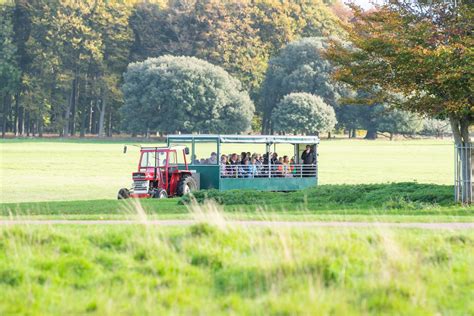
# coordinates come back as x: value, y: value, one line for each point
x: 138, y: 175
x: 140, y: 186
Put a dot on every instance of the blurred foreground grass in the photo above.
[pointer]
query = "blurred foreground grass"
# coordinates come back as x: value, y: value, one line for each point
x: 212, y: 269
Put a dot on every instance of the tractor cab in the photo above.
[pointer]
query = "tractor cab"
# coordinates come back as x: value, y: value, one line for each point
x: 158, y: 175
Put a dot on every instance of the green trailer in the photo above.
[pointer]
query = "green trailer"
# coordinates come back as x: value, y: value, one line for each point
x: 205, y: 152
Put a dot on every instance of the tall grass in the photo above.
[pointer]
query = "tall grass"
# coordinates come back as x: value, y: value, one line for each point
x: 214, y: 267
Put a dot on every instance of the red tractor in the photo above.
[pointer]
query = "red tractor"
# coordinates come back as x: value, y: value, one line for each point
x: 158, y: 175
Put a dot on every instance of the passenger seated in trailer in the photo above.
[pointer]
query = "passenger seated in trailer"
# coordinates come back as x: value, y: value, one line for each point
x: 242, y: 157
x: 254, y: 168
x: 225, y: 170
x: 294, y: 169
x: 244, y: 169
x: 213, y: 159
x: 233, y: 165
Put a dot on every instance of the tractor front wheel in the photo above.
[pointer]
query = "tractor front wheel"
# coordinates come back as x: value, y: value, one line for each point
x: 186, y: 185
x: 160, y: 194
x: 123, y: 194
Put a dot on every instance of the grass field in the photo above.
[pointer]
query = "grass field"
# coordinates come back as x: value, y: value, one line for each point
x: 375, y: 202
x: 36, y: 170
x: 214, y: 267
x: 213, y: 270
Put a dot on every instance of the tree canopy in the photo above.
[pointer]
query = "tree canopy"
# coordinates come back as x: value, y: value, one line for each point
x: 63, y: 61
x: 303, y: 113
x: 298, y: 67
x: 420, y: 50
x: 170, y: 94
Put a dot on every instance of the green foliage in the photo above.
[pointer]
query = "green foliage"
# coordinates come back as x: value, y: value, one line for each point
x: 362, y: 195
x: 420, y: 50
x: 435, y: 127
x: 239, y: 36
x: 303, y: 113
x: 395, y: 121
x: 298, y: 67
x: 9, y: 71
x: 170, y: 94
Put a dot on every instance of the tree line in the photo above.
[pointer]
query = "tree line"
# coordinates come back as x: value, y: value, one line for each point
x: 62, y: 62
x: 102, y: 67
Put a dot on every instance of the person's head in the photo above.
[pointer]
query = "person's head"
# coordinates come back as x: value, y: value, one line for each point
x: 223, y: 158
x: 203, y: 160
x: 285, y: 159
x: 292, y: 160
x: 213, y: 155
x: 243, y: 155
x: 254, y: 160
x: 308, y: 147
x: 280, y: 159
x: 248, y: 154
x: 275, y: 155
x: 245, y: 161
x: 234, y: 157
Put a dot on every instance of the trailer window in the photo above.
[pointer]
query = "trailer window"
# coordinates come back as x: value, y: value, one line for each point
x: 205, y: 152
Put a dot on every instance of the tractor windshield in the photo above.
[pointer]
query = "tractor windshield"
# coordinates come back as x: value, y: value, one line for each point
x: 151, y: 159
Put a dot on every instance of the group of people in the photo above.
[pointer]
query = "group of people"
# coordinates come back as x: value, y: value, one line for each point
x: 247, y: 165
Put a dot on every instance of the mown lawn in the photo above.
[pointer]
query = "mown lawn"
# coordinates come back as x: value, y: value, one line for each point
x: 36, y: 170
x: 214, y: 270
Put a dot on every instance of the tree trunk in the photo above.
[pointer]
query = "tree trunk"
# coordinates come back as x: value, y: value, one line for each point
x: 67, y: 114
x: 68, y: 125
x: 109, y: 128
x: 354, y: 133
x: 40, y: 126
x: 19, y: 115
x: 464, y: 163
x: 103, y: 106
x: 27, y: 123
x: 371, y: 134
x: 83, y: 124
x: 85, y: 108
x: 6, y: 109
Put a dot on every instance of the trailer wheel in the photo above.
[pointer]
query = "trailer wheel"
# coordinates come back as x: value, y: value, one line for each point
x: 186, y: 185
x: 123, y: 194
x: 160, y: 194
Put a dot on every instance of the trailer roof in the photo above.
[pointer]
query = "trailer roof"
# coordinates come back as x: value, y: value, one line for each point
x: 261, y: 139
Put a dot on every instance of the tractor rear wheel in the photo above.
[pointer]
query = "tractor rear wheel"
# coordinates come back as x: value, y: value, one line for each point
x: 160, y: 194
x: 123, y: 194
x: 186, y: 185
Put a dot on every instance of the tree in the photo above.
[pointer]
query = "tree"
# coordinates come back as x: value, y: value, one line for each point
x: 303, y: 113
x: 299, y: 67
x: 395, y: 121
x: 80, y: 50
x: 239, y: 36
x: 9, y: 70
x: 435, y: 127
x: 170, y: 94
x: 422, y: 50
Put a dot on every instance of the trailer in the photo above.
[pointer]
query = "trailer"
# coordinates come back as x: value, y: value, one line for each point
x: 268, y: 176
